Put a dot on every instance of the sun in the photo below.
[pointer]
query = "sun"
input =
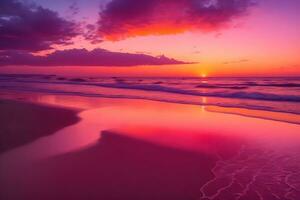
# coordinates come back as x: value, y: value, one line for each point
x: 203, y: 75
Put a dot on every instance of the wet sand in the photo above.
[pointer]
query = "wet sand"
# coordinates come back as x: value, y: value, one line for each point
x: 118, y: 167
x: 23, y: 122
x: 115, y: 167
x: 136, y: 149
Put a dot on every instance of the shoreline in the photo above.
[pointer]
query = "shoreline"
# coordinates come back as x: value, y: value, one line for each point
x: 34, y: 98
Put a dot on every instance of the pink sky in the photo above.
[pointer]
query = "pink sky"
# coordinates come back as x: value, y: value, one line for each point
x: 263, y: 41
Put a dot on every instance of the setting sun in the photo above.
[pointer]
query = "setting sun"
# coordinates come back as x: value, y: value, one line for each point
x: 203, y: 75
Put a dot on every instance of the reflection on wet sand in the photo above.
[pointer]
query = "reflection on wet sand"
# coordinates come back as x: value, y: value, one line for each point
x: 117, y: 167
x: 136, y: 149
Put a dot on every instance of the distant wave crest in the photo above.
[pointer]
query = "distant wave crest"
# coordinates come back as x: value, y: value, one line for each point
x: 229, y: 93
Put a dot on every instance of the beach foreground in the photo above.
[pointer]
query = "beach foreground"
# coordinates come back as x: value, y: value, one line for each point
x: 21, y: 123
x: 138, y: 149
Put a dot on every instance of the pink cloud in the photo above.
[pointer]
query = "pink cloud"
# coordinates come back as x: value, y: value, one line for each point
x: 126, y: 18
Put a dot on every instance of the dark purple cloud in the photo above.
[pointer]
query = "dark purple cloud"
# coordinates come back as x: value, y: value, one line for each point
x: 91, y: 34
x: 31, y: 27
x: 127, y: 18
x: 82, y: 57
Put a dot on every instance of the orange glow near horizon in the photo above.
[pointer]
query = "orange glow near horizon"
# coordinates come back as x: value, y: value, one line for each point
x: 194, y: 70
x: 203, y: 75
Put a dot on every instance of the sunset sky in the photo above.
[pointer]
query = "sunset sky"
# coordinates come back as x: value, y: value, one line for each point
x: 151, y: 37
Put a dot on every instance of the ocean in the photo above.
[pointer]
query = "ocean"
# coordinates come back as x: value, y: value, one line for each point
x: 258, y: 93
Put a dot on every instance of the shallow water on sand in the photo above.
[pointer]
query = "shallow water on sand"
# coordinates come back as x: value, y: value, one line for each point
x: 152, y: 150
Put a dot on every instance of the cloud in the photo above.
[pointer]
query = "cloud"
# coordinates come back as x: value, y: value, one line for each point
x: 31, y: 27
x: 82, y: 57
x: 91, y: 35
x: 127, y: 18
x: 73, y: 8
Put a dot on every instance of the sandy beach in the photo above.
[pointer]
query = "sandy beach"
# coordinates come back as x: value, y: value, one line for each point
x: 136, y: 149
x: 24, y: 122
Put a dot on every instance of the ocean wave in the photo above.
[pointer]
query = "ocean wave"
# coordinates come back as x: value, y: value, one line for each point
x: 152, y: 98
x: 160, y: 88
x: 235, y: 87
x: 164, y: 90
x: 227, y: 94
x: 249, y: 84
x: 272, y: 84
